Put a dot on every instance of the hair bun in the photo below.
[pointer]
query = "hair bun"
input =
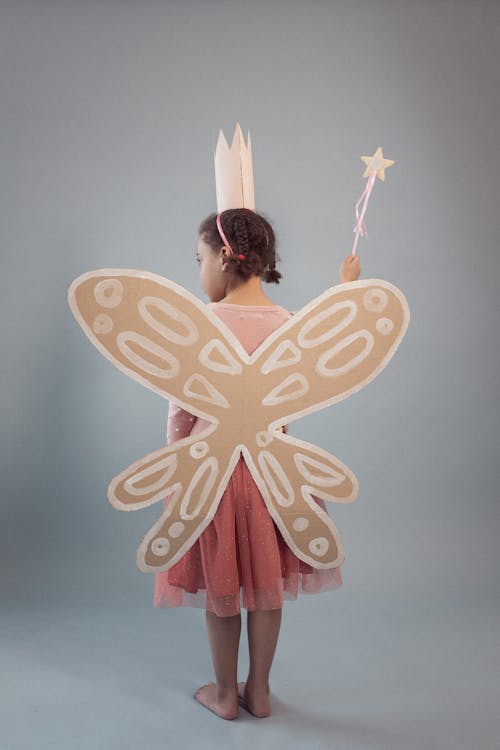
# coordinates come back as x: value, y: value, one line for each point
x: 272, y: 276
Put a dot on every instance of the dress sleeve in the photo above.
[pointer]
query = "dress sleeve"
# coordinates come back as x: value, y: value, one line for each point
x: 179, y: 422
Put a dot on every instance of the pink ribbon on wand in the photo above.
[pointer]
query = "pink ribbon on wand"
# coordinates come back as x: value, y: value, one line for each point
x: 360, y: 227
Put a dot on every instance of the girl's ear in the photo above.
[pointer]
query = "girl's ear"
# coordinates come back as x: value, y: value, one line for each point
x: 224, y: 256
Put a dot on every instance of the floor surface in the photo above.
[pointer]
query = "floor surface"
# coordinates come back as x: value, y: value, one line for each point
x: 351, y: 672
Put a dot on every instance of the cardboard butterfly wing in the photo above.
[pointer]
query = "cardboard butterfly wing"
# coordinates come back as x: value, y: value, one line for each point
x: 159, y: 334
x: 331, y: 348
x: 166, y: 338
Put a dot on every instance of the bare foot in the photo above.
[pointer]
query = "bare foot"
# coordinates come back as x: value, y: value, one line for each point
x: 255, y: 702
x: 207, y: 696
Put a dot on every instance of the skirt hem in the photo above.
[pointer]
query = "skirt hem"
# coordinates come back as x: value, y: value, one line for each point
x: 176, y: 597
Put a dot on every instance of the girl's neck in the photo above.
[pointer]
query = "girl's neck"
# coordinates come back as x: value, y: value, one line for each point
x: 248, y: 293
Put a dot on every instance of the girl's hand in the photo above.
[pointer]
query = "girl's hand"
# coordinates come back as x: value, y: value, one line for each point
x: 350, y: 269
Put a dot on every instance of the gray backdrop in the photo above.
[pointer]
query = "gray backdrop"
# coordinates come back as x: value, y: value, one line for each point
x: 110, y: 114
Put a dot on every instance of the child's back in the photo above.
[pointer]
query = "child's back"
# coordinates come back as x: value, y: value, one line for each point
x: 240, y: 559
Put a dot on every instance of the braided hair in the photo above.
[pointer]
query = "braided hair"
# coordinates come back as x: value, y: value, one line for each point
x: 252, y: 240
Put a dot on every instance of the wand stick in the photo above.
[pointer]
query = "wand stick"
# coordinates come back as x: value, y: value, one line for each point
x: 375, y: 167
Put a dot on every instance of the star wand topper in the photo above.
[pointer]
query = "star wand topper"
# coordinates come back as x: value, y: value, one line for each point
x: 375, y: 167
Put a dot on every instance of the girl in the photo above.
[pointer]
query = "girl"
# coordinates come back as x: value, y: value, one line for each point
x: 241, y: 554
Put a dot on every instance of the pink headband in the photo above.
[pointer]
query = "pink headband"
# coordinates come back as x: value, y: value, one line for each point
x: 224, y: 238
x: 219, y: 227
x: 221, y: 232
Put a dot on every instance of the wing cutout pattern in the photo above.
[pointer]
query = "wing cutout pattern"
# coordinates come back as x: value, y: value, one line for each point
x: 164, y: 337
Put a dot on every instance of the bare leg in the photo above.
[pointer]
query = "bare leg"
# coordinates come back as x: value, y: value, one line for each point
x: 263, y: 630
x: 224, y: 639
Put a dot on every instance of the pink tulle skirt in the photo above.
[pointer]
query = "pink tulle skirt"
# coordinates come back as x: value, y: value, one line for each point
x: 240, y: 560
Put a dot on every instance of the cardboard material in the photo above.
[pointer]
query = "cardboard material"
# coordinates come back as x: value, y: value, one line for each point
x: 161, y: 335
x: 234, y: 172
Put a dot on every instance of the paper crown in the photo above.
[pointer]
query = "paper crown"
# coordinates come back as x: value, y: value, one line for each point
x: 234, y: 172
